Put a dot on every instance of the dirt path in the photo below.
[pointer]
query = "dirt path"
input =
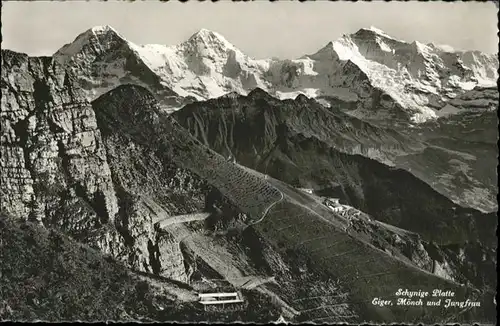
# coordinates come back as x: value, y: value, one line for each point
x: 235, y: 270
x: 182, y: 219
x: 267, y: 209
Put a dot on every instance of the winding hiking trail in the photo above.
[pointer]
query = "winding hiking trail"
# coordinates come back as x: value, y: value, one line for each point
x: 266, y: 178
x: 268, y: 208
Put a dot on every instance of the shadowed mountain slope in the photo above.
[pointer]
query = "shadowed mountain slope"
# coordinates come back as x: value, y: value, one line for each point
x: 308, y: 146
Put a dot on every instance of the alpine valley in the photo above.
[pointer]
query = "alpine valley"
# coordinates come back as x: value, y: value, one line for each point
x: 134, y: 177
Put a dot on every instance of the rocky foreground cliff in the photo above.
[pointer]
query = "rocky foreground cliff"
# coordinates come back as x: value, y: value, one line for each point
x: 55, y: 168
x: 59, y: 172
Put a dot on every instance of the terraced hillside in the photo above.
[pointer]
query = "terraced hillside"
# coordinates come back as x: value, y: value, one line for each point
x: 359, y: 267
x: 302, y: 158
x: 131, y: 113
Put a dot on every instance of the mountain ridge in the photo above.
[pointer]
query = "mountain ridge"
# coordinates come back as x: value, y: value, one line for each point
x: 207, y: 65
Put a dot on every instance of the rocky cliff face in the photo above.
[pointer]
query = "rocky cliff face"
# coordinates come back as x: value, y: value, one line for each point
x: 55, y: 168
x: 64, y: 168
x: 50, y: 140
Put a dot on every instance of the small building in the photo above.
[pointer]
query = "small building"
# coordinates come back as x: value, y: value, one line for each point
x: 337, y: 209
x: 307, y: 190
x: 332, y: 202
x: 220, y: 299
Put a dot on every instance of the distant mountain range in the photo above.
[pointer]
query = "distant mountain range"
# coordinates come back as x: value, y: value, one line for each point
x: 407, y: 80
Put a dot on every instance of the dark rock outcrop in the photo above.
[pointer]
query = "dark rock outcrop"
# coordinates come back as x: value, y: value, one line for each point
x: 53, y: 159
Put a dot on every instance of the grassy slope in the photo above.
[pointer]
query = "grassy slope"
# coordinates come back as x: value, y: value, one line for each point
x: 47, y: 276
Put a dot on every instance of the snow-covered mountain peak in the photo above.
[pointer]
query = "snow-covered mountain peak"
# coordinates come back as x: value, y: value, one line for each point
x: 103, y: 31
x: 208, y: 35
x: 102, y: 59
x: 418, y: 77
x: 376, y: 30
x: 205, y: 39
x: 327, y: 52
x: 420, y: 47
x: 373, y: 31
x: 441, y: 47
x: 373, y: 34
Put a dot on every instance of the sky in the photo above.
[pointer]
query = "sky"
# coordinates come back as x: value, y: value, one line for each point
x: 261, y: 29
